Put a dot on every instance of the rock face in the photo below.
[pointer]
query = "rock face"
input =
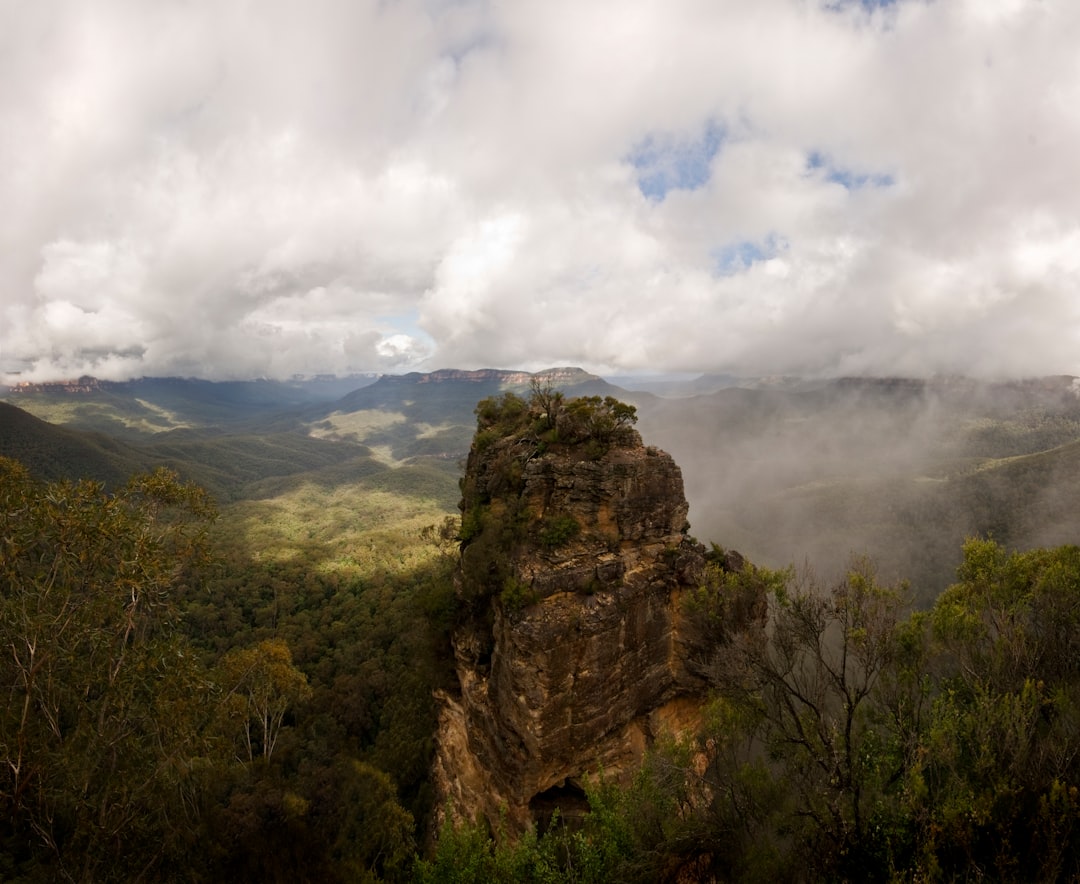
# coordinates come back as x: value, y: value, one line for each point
x: 574, y: 650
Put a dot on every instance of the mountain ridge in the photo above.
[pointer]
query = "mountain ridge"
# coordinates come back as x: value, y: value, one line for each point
x: 788, y: 473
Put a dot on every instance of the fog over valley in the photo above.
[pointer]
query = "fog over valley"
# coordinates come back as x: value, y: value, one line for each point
x: 901, y: 470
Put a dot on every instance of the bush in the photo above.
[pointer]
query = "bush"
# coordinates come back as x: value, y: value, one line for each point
x: 517, y: 595
x: 506, y: 413
x: 605, y: 421
x: 559, y: 531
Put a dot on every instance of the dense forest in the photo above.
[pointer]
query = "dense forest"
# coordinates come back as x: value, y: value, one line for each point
x: 175, y: 711
x: 243, y: 690
x: 176, y: 714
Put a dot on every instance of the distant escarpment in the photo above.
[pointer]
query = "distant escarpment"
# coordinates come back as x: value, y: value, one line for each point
x: 588, y: 617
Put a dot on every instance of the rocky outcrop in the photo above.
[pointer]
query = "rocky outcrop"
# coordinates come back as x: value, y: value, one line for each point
x: 575, y: 648
x: 562, y: 377
x: 83, y: 385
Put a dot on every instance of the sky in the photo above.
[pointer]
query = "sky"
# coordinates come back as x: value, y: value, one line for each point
x: 233, y: 189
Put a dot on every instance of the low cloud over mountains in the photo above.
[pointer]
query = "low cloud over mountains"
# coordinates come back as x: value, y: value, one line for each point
x: 790, y: 186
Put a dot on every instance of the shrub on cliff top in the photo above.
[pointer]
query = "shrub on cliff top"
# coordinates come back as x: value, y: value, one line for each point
x: 505, y: 414
x: 551, y: 419
x: 606, y: 421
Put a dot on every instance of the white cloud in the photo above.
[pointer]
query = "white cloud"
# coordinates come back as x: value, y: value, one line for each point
x: 340, y: 186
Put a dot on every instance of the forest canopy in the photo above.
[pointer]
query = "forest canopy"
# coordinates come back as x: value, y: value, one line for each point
x: 104, y: 721
x: 240, y: 698
x: 133, y: 747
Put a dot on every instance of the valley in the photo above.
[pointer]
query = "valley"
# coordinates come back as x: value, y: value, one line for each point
x: 789, y: 471
x: 332, y: 536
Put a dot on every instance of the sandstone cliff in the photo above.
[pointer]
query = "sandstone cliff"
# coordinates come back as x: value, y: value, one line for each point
x: 574, y: 648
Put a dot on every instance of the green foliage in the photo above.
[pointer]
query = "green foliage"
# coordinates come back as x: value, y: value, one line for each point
x: 603, y: 421
x: 445, y: 536
x: 727, y: 598
x: 103, y: 730
x: 376, y: 840
x: 261, y: 684
x: 558, y: 531
x: 487, y: 554
x: 516, y: 595
x: 319, y: 632
x: 548, y: 418
x: 505, y: 414
x: 467, y: 854
x: 998, y: 770
x: 471, y: 524
x: 464, y: 855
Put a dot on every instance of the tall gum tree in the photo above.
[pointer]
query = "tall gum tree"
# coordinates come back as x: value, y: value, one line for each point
x: 104, y: 707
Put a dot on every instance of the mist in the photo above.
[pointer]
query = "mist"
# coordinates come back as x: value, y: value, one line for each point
x: 902, y: 471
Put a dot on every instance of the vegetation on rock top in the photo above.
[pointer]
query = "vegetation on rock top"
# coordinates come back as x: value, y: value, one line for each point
x: 510, y: 432
x: 548, y: 419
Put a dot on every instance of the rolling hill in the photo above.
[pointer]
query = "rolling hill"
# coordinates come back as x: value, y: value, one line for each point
x: 51, y: 452
x: 147, y: 406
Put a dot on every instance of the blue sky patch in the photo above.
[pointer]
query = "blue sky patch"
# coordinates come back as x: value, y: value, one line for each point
x: 737, y: 256
x: 819, y: 163
x: 407, y: 323
x: 665, y: 163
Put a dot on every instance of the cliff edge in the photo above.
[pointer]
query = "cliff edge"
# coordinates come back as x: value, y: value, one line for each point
x: 574, y: 647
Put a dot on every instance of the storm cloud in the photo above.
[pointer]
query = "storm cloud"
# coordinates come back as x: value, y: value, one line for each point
x: 226, y: 189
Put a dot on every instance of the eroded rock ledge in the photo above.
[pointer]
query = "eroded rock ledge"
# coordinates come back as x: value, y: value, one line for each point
x: 574, y: 649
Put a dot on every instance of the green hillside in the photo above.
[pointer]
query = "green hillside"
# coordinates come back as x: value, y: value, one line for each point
x: 147, y: 406
x: 52, y: 452
x: 226, y: 463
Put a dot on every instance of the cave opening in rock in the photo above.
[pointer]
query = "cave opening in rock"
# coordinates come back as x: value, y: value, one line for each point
x: 568, y: 798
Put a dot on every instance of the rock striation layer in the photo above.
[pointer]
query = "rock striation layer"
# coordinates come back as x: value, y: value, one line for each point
x: 574, y: 649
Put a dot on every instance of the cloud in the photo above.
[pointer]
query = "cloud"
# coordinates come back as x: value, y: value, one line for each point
x: 784, y: 186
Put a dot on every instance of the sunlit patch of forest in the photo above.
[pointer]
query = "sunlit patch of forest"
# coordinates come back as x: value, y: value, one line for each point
x: 357, y: 425
x: 308, y: 637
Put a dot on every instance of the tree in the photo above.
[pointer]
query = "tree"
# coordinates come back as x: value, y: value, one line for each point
x: 546, y: 401
x: 262, y: 685
x: 807, y: 687
x: 105, y: 703
x: 375, y: 835
x: 997, y: 775
x: 604, y: 421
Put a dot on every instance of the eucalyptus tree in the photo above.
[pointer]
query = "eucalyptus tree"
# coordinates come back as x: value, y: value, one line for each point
x: 102, y: 723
